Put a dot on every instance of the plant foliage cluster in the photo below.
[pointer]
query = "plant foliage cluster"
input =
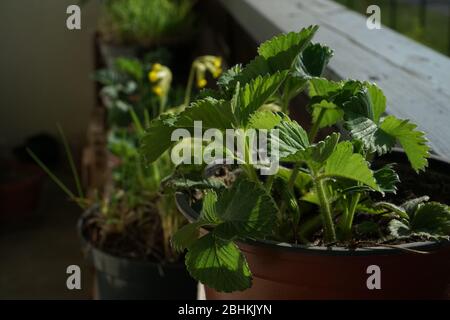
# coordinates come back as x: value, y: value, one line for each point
x: 325, y: 191
x: 144, y: 22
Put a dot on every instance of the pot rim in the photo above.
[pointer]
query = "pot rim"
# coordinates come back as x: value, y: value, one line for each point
x: 183, y: 206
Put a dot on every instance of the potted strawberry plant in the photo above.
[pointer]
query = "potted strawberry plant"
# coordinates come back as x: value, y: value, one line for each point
x: 326, y: 223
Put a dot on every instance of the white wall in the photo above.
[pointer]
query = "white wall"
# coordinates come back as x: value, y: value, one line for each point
x: 45, y: 69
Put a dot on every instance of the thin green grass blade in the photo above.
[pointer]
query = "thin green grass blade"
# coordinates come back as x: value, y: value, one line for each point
x: 71, y: 163
x: 55, y: 179
x: 137, y: 122
x: 146, y: 118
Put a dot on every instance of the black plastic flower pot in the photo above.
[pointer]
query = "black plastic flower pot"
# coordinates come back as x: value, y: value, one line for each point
x: 119, y: 278
x: 282, y: 271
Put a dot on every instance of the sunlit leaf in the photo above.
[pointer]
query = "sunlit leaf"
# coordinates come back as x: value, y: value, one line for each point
x: 343, y: 163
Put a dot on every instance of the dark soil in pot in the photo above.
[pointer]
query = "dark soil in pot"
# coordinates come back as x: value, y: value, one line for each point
x: 122, y: 272
x: 20, y: 188
x: 302, y: 272
x: 434, y: 182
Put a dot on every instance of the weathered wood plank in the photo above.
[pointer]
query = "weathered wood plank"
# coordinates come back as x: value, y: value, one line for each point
x: 415, y: 79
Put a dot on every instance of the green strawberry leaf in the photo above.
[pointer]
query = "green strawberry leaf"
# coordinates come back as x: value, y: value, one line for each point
x: 185, y: 236
x: 264, y: 120
x: 276, y: 54
x: 256, y: 93
x: 322, y: 87
x: 246, y: 210
x: 327, y: 113
x: 212, y: 113
x: 228, y: 77
x: 291, y: 139
x: 285, y: 48
x: 410, y: 206
x: 368, y: 132
x: 209, y: 213
x: 343, y: 163
x: 160, y: 130
x: 387, y: 179
x: 413, y: 141
x: 219, y: 264
x: 321, y: 151
x: 432, y: 218
x: 313, y: 60
x: 215, y: 114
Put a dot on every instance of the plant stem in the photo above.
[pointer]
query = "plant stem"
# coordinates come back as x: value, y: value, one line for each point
x: 187, y: 95
x: 248, y: 166
x: 146, y: 119
x: 156, y: 176
x: 251, y: 173
x: 269, y: 182
x: 293, y: 176
x: 137, y: 123
x: 290, y: 187
x: 330, y: 233
x: 285, y: 104
x: 315, y: 128
x: 350, y: 215
x: 162, y: 104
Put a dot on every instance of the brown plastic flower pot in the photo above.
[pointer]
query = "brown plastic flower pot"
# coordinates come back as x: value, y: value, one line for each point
x: 322, y: 273
x: 282, y: 271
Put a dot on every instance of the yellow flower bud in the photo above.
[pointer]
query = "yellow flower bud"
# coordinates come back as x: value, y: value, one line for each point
x: 158, y: 90
x: 153, y: 76
x: 201, y: 83
x: 217, y: 61
x: 156, y: 67
x: 217, y: 73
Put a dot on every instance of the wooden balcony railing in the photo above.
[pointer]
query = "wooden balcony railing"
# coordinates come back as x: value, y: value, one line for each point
x: 415, y: 79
